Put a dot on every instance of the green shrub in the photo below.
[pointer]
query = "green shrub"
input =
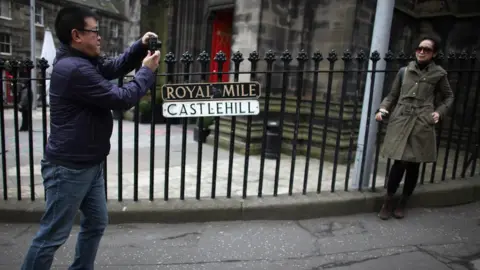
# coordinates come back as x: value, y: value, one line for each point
x: 207, y: 121
x: 145, y: 106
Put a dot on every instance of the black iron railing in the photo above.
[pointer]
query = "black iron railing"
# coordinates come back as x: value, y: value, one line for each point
x: 315, y: 101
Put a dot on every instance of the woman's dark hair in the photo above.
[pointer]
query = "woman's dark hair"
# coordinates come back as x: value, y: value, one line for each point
x: 69, y: 18
x: 435, y: 41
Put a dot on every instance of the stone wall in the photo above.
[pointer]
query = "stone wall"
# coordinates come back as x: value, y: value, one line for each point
x: 112, y: 45
x: 157, y: 17
x: 187, y: 31
x: 245, y: 34
x: 133, y: 9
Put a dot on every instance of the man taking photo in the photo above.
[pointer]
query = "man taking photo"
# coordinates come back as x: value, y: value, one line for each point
x: 81, y: 100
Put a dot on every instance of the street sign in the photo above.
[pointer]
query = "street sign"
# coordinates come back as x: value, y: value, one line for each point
x: 211, y: 99
x: 211, y: 108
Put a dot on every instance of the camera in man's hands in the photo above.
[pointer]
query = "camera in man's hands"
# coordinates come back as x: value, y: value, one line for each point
x: 154, y: 44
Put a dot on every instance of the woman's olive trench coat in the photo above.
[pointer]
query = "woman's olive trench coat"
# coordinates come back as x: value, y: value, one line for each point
x: 410, y: 134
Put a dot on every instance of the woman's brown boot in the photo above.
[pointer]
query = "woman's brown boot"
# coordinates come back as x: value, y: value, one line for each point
x: 386, y: 211
x: 400, y: 209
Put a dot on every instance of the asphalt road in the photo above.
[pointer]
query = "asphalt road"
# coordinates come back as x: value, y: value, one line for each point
x: 437, y: 239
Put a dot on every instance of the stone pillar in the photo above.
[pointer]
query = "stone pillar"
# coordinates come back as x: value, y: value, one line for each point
x: 246, y: 29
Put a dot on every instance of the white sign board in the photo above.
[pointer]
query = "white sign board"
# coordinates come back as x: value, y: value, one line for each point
x: 200, y: 108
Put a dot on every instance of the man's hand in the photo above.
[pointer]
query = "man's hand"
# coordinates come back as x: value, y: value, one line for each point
x: 152, y: 60
x: 436, y: 117
x: 147, y: 36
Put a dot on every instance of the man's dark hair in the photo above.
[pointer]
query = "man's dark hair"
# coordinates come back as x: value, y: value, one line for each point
x: 69, y: 18
x: 435, y: 41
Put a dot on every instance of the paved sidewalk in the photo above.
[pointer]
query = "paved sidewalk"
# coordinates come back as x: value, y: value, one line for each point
x: 190, y: 166
x: 428, y: 239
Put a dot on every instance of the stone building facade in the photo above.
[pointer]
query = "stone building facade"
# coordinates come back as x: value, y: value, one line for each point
x: 293, y: 25
x: 131, y: 28
x: 453, y: 21
x: 15, y: 28
x: 15, y: 25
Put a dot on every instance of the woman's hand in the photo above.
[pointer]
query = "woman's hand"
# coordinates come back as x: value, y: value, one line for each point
x: 436, y: 117
x: 378, y: 116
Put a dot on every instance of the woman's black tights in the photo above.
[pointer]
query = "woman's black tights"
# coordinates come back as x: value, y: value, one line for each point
x: 25, y: 120
x: 396, y: 174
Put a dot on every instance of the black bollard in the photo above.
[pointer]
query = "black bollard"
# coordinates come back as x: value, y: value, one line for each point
x: 274, y: 140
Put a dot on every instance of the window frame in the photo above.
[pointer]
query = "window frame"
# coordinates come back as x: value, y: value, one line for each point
x: 4, y: 43
x: 9, y: 16
x: 42, y: 15
x: 114, y: 29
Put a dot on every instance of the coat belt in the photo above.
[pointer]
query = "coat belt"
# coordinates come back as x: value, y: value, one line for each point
x: 409, y: 108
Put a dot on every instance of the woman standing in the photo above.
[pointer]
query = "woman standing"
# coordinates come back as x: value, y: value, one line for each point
x: 410, y: 137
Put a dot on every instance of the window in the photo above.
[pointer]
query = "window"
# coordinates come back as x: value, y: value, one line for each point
x: 38, y: 48
x: 103, y: 29
x: 114, y: 29
x: 5, y: 44
x: 39, y: 15
x: 6, y: 9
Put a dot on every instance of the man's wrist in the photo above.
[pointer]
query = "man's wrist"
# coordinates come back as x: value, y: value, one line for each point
x: 148, y: 68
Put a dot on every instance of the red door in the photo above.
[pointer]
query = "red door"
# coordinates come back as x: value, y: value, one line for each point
x: 8, y: 91
x: 221, y: 41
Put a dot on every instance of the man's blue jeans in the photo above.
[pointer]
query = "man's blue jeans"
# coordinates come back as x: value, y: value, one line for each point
x: 67, y: 191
